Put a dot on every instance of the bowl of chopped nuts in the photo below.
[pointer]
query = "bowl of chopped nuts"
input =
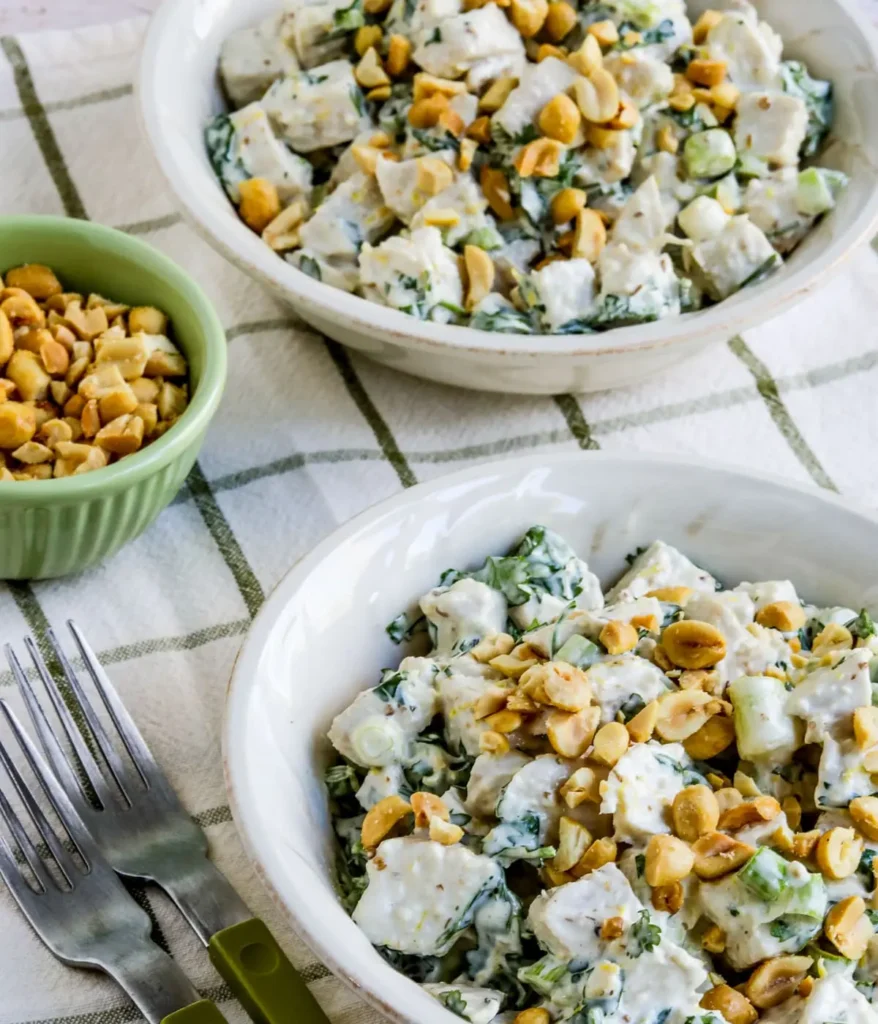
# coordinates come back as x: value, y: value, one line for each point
x: 112, y: 363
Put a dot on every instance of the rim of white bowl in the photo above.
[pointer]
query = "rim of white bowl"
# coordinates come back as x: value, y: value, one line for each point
x: 241, y: 246
x: 368, y: 985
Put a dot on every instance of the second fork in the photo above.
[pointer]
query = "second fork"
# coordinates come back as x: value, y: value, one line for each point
x: 145, y: 833
x: 84, y: 915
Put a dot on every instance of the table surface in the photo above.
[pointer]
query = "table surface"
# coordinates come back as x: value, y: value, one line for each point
x: 35, y: 15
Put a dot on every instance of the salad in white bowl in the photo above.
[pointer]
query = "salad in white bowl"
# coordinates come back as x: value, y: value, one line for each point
x: 653, y: 805
x: 529, y: 167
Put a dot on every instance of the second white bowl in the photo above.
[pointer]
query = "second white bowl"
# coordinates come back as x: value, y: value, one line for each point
x: 179, y: 92
x: 320, y: 638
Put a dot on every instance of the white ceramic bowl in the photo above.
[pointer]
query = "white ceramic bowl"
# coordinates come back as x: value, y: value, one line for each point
x: 320, y: 637
x: 178, y: 93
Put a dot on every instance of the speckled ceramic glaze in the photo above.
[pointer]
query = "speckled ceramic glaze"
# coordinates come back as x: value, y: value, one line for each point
x: 178, y: 93
x: 54, y: 527
x: 320, y: 637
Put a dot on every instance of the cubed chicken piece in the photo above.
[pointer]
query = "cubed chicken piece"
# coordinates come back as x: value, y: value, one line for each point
x: 625, y: 680
x: 318, y: 32
x: 490, y: 775
x: 771, y: 127
x: 265, y: 156
x: 772, y: 204
x: 636, y: 286
x: 644, y: 78
x: 841, y: 774
x: 378, y: 728
x: 336, y: 271
x: 833, y: 998
x: 734, y: 258
x: 421, y: 895
x: 536, y: 86
x: 644, y: 218
x: 641, y: 788
x: 352, y: 215
x: 768, y: 592
x: 317, y: 108
x: 403, y: 20
x: 466, y: 201
x: 567, y: 920
x: 466, y: 39
x: 459, y: 691
x: 660, y: 565
x: 750, y: 49
x: 611, y: 165
x: 399, y: 182
x: 418, y: 275
x: 747, y: 905
x: 252, y: 58
x: 562, y: 291
x: 827, y: 697
x: 463, y: 613
x: 242, y: 145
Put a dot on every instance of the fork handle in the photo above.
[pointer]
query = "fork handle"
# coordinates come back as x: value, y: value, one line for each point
x: 202, y: 1012
x: 155, y: 982
x: 259, y: 973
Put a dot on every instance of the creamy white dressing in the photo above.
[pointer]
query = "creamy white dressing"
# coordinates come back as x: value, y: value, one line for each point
x: 511, y: 818
x: 641, y: 788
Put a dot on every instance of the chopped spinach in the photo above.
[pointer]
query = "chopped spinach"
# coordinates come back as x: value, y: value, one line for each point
x: 818, y: 98
x: 663, y: 31
x: 640, y: 864
x: 764, y: 270
x: 543, y: 563
x: 643, y: 935
x: 308, y: 265
x: 358, y: 100
x: 429, y: 139
x: 453, y: 1001
x: 632, y: 556
x: 347, y: 19
x: 403, y: 628
x: 866, y: 870
x: 862, y: 627
x: 388, y: 688
x: 632, y: 706
x: 419, y: 968
x: 436, y: 37
x: 341, y: 781
x: 221, y: 140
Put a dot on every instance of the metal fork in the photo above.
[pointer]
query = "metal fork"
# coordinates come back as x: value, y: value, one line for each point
x: 148, y: 835
x: 91, y: 921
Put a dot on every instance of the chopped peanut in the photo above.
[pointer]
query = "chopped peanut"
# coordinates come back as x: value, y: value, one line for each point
x: 82, y: 378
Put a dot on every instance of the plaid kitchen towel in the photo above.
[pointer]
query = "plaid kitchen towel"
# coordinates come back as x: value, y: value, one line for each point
x: 309, y: 434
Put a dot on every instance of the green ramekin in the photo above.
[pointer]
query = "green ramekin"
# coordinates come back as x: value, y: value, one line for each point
x: 54, y: 527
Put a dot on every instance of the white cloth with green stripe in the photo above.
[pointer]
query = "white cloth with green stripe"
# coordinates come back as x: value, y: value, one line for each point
x: 309, y: 434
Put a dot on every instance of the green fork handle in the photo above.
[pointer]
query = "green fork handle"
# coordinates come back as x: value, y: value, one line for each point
x: 203, y: 1012
x: 257, y: 970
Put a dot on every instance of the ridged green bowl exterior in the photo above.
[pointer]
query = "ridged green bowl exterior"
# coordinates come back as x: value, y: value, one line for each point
x: 55, y: 527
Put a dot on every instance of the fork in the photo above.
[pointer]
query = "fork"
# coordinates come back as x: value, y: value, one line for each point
x: 92, y: 921
x: 148, y: 835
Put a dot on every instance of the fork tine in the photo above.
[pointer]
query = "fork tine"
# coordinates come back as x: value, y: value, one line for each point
x: 76, y: 828
x: 61, y: 855
x: 119, y: 770
x: 48, y: 740
x: 71, y: 729
x: 135, y: 744
x: 12, y: 875
x: 35, y: 862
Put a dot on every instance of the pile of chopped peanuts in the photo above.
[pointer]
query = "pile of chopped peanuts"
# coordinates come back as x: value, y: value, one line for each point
x: 84, y: 381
